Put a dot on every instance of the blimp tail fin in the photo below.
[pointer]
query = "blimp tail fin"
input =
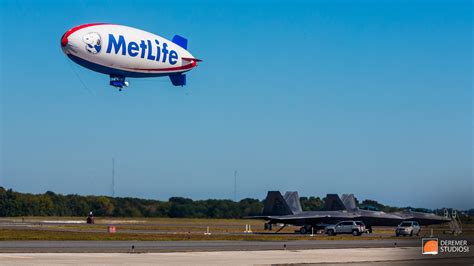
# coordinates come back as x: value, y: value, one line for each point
x: 181, y: 41
x: 178, y: 79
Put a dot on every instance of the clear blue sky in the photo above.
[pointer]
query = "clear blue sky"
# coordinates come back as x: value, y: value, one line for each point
x: 371, y: 97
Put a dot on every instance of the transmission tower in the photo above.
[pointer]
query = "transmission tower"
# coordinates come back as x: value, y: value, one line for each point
x: 113, y: 177
x: 235, y: 185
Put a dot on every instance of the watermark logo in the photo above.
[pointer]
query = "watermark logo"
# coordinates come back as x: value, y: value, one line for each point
x: 429, y: 246
x: 93, y: 42
x: 433, y: 246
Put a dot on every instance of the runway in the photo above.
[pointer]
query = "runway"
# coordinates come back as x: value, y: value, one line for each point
x: 397, y: 256
x: 133, y: 245
x: 182, y: 246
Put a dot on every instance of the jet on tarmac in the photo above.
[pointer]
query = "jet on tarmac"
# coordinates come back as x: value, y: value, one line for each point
x: 287, y: 211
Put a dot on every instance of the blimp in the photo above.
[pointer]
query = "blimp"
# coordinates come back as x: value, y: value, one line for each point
x: 121, y: 52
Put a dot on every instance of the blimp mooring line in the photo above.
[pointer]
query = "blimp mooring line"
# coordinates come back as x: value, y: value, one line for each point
x: 120, y: 52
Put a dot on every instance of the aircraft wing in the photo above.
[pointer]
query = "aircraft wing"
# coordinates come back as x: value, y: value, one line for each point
x: 309, y: 218
x: 423, y: 218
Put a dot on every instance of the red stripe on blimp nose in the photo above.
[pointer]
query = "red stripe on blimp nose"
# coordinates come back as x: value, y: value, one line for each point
x: 64, y: 39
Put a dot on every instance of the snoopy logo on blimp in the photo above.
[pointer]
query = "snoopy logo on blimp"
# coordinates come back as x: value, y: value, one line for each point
x: 93, y: 42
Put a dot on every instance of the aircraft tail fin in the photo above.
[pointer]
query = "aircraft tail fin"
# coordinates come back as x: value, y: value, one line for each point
x: 178, y: 79
x: 181, y: 41
x: 275, y: 204
x: 293, y: 200
x: 332, y: 202
x: 349, y: 202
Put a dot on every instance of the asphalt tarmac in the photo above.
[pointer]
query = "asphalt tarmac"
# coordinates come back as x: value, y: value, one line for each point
x: 187, y: 246
x: 385, y: 256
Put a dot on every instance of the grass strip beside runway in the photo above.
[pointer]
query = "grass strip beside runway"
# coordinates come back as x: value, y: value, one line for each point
x: 27, y: 234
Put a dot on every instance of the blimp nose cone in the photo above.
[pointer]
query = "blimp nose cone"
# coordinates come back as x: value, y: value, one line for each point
x: 64, y: 40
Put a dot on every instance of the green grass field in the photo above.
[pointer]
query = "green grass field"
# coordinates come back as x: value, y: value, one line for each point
x: 23, y: 234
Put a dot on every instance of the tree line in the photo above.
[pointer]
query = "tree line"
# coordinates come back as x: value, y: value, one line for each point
x: 14, y: 203
x: 52, y: 204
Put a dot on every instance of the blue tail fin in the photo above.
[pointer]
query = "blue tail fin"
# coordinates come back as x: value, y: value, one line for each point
x: 181, y: 41
x: 178, y: 79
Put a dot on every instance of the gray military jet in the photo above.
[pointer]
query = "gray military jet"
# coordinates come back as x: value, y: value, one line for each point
x: 423, y: 218
x: 287, y: 210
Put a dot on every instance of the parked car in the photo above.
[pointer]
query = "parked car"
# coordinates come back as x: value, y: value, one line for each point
x: 408, y: 228
x: 355, y: 228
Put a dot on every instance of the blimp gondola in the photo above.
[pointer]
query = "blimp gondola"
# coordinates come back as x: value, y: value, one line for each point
x: 121, y: 51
